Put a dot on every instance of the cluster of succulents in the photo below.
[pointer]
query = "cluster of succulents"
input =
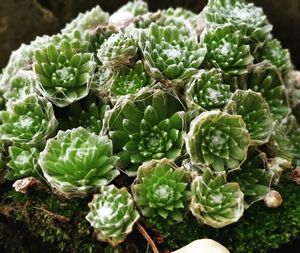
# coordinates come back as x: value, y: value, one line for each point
x: 198, y: 110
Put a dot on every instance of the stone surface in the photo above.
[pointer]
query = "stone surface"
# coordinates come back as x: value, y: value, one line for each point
x: 203, y: 246
x: 22, y: 20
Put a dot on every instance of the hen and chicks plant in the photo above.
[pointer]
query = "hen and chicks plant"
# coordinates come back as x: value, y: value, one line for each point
x: 198, y: 110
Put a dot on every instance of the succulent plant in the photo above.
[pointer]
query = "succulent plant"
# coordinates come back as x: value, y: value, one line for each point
x: 184, y: 20
x: 117, y: 50
x: 227, y: 51
x: 216, y: 202
x: 169, y: 55
x: 76, y: 40
x: 279, y: 144
x: 255, y: 112
x: 150, y: 126
x: 218, y: 140
x: 112, y: 214
x: 161, y: 190
x: 22, y: 84
x: 88, y: 113
x: 87, y: 22
x: 22, y: 161
x: 30, y: 120
x: 206, y: 91
x: 135, y: 7
x: 102, y: 80
x: 96, y: 39
x: 196, y: 111
x: 64, y: 74
x: 22, y: 58
x: 19, y: 59
x: 76, y: 162
x: 273, y: 53
x: 246, y: 18
x: 129, y: 80
x: 253, y: 178
x: 265, y: 79
x: 2, y: 99
x: 294, y: 137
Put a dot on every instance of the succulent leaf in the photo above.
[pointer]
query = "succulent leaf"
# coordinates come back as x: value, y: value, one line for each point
x: 117, y: 50
x: 135, y: 7
x: 22, y: 84
x: 161, y: 190
x: 22, y: 58
x: 273, y: 53
x: 149, y: 126
x: 102, y: 80
x: 255, y: 113
x: 253, y: 178
x: 87, y: 113
x: 112, y: 214
x: 30, y: 120
x: 129, y: 80
x: 87, y: 22
x: 77, y: 162
x: 294, y: 137
x: 226, y: 50
x: 184, y: 20
x: 218, y: 140
x: 64, y: 74
x: 22, y: 161
x: 265, y: 79
x: 169, y: 54
x: 215, y: 202
x: 246, y: 18
x: 206, y: 91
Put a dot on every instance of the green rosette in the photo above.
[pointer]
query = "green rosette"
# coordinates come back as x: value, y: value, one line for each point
x: 148, y: 126
x: 255, y: 112
x: 218, y: 140
x: 169, y: 55
x: 206, y: 91
x: 28, y: 121
x: 77, y: 162
x: 22, y: 161
x: 112, y: 214
x: 63, y: 71
x: 215, y: 202
x: 227, y: 51
x: 161, y: 190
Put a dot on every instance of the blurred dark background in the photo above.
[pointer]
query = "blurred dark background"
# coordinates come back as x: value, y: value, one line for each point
x: 22, y: 20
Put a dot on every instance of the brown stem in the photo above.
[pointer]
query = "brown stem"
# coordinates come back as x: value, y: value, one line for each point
x: 147, y: 237
x: 58, y: 217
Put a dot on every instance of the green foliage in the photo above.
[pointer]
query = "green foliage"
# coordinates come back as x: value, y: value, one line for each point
x: 30, y: 120
x: 113, y: 214
x: 227, y: 51
x: 162, y: 190
x: 252, y: 234
x: 77, y: 162
x: 218, y: 140
x: 150, y: 126
x: 206, y: 91
x: 169, y: 54
x: 64, y: 71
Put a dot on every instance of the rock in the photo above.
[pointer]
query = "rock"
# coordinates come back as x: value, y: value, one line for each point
x: 203, y: 246
x: 21, y: 22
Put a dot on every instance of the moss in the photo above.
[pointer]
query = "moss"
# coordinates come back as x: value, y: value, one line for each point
x: 55, y: 224
x: 261, y: 229
x: 58, y: 225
